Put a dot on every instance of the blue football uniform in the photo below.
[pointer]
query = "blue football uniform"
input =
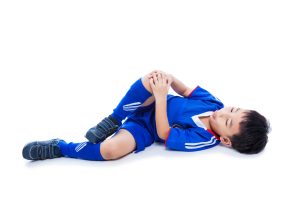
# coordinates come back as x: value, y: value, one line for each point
x: 187, y: 132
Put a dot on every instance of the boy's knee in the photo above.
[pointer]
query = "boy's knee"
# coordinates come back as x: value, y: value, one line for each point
x: 109, y: 150
x: 146, y: 83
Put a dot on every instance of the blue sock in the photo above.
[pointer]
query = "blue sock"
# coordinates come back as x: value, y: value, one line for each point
x: 133, y: 99
x: 84, y: 150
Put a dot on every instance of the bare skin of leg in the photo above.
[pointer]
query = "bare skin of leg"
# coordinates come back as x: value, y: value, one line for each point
x: 118, y: 146
x: 146, y: 84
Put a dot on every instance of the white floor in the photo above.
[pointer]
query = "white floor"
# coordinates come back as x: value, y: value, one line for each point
x: 64, y: 65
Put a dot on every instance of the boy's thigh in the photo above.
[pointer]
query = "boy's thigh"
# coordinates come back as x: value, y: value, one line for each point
x: 143, y: 138
x: 131, y: 136
x: 118, y: 146
x: 148, y: 101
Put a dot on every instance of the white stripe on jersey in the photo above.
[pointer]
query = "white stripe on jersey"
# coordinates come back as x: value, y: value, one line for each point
x: 199, y: 145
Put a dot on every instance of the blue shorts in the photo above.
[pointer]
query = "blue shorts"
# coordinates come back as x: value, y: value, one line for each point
x: 141, y: 124
x: 143, y: 138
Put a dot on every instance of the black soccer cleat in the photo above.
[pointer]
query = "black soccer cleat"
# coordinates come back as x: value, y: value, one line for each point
x: 41, y: 150
x: 102, y: 130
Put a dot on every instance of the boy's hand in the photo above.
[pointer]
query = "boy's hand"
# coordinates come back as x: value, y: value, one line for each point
x: 160, y: 84
x: 156, y: 72
x: 179, y: 87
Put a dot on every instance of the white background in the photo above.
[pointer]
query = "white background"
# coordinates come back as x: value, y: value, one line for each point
x: 66, y: 64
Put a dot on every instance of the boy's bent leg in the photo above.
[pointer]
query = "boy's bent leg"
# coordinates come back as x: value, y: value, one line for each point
x: 118, y: 146
x: 138, y: 94
x: 102, y: 130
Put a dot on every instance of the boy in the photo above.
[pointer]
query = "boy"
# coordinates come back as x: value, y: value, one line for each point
x: 194, y: 121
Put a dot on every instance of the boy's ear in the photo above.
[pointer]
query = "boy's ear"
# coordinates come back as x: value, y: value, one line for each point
x: 226, y: 141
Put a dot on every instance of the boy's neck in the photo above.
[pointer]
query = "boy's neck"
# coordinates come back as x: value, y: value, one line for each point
x: 205, y: 121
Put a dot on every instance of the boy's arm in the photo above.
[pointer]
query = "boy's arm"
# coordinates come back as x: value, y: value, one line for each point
x: 161, y: 118
x: 180, y: 88
x: 160, y: 85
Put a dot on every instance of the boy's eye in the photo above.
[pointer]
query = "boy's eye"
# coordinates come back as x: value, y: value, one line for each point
x: 231, y: 109
x: 226, y: 122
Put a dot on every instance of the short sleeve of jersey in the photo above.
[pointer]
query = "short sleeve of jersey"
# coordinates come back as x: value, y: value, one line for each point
x: 192, y: 139
x: 201, y: 94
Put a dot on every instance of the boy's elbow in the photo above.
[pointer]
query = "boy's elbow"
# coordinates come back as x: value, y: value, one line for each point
x: 162, y: 137
x: 164, y: 134
x: 187, y: 92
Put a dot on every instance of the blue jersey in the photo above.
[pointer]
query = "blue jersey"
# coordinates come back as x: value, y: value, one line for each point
x: 187, y: 132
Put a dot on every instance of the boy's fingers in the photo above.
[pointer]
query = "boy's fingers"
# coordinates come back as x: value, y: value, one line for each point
x: 155, y: 78
x: 159, y: 77
x: 167, y: 78
x: 169, y: 81
x: 151, y: 82
x: 150, y: 76
x: 164, y: 78
x: 156, y: 72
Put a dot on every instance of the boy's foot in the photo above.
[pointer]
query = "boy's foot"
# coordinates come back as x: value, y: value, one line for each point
x: 41, y: 150
x: 102, y: 130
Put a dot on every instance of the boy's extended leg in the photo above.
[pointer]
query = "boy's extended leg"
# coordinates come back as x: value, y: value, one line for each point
x: 139, y: 94
x: 116, y: 147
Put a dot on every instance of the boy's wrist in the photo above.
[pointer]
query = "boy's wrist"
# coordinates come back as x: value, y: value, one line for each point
x: 161, y: 98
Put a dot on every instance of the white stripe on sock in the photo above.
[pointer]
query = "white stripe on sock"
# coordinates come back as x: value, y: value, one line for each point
x: 80, y: 146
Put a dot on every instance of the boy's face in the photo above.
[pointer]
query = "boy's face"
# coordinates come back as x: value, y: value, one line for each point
x: 226, y: 122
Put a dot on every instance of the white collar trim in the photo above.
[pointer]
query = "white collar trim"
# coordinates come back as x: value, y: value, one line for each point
x: 198, y: 122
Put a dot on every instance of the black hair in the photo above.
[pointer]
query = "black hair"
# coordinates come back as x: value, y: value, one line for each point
x: 252, y: 137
